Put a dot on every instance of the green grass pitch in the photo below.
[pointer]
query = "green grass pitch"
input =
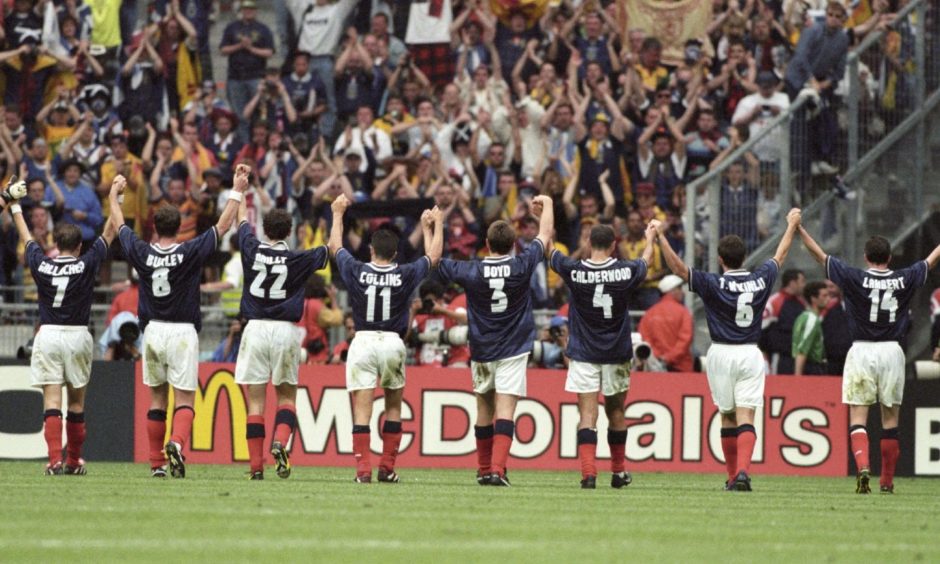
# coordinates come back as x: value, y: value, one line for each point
x: 118, y: 513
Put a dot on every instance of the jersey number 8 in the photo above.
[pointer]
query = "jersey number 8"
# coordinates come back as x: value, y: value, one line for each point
x: 161, y: 282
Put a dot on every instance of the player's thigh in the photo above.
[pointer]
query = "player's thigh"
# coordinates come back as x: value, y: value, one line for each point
x: 860, y: 375
x: 891, y: 372
x: 391, y: 359
x: 361, y: 364
x: 253, y: 363
x: 46, y: 366
x: 154, y: 355
x: 182, y: 367
x: 720, y: 374
x: 285, y: 354
x: 78, y: 348
x: 583, y: 377
x: 483, y: 376
x: 750, y: 377
x: 615, y: 379
x: 510, y: 375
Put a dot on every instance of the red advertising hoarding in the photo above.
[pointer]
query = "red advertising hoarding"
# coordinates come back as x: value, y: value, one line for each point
x: 673, y: 425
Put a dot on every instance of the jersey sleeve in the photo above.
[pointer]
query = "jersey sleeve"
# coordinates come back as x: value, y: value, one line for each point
x: 532, y: 256
x: 836, y: 270
x: 417, y: 270
x: 134, y: 249
x: 639, y: 268
x: 206, y: 244
x: 560, y: 263
x: 348, y: 266
x: 452, y: 270
x: 699, y: 282
x: 34, y: 254
x: 247, y: 242
x: 97, y: 254
x: 768, y: 271
x: 915, y: 275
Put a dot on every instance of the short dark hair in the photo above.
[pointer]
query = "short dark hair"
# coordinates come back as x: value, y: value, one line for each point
x: 385, y: 244
x: 277, y: 224
x: 732, y: 251
x: 431, y: 288
x: 166, y: 221
x: 812, y: 289
x: 651, y: 43
x: 790, y: 275
x: 500, y: 236
x: 67, y: 237
x: 878, y: 250
x: 602, y: 237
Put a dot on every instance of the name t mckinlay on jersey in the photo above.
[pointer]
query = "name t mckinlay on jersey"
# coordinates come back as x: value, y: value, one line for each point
x: 741, y: 287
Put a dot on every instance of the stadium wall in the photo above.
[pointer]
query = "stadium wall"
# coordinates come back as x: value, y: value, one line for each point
x: 801, y: 431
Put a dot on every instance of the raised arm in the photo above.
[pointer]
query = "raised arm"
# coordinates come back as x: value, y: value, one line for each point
x: 10, y: 198
x: 239, y: 186
x: 793, y: 223
x: 673, y: 261
x: 546, y: 220
x: 338, y: 206
x: 435, y: 248
x: 115, y: 199
x: 933, y: 257
x: 812, y: 246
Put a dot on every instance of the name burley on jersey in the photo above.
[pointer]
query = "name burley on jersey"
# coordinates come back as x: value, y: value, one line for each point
x: 732, y: 299
x: 66, y: 284
x: 499, y: 301
x: 380, y: 295
x: 169, y: 277
x: 878, y: 301
x: 598, y: 320
x: 275, y: 277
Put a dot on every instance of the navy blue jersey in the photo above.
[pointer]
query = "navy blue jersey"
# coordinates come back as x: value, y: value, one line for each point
x: 877, y: 301
x: 732, y: 299
x: 598, y: 318
x: 169, y: 278
x: 275, y: 277
x: 381, y: 295
x: 65, y: 284
x: 499, y: 302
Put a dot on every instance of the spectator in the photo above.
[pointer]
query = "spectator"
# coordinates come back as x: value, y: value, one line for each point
x: 248, y: 44
x: 808, y: 349
x: 667, y: 326
x: 631, y: 248
x: 127, y: 300
x: 739, y: 199
x: 704, y: 144
x: 82, y: 207
x: 342, y: 348
x: 122, y: 340
x: 837, y: 330
x: 428, y: 38
x: 431, y: 316
x: 307, y: 95
x: 227, y: 350
x: 223, y: 141
x: 123, y: 162
x: 271, y: 104
x: 231, y: 284
x: 317, y: 318
x: 782, y: 309
x: 394, y: 46
x: 661, y: 156
x: 756, y: 110
x: 319, y: 26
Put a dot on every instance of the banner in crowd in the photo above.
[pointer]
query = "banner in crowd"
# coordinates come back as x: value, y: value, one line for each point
x: 673, y: 22
x: 673, y: 425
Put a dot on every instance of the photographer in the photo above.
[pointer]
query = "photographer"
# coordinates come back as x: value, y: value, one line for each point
x: 227, y: 351
x: 321, y: 311
x: 341, y: 350
x: 549, y: 350
x: 122, y: 339
x: 271, y: 103
x: 431, y: 335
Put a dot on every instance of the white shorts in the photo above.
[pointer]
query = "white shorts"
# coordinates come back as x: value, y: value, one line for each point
x: 375, y: 356
x: 589, y: 377
x: 506, y: 376
x: 736, y: 376
x: 268, y: 349
x: 873, y: 372
x: 171, y: 355
x: 62, y: 355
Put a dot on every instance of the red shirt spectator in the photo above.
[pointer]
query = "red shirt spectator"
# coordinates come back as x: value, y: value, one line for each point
x: 667, y: 327
x: 125, y: 301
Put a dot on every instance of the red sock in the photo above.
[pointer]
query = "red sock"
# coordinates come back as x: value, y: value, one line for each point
x: 391, y: 439
x: 182, y: 424
x: 156, y: 434
x: 503, y: 431
x: 484, y: 435
x: 284, y: 423
x: 361, y: 438
x: 890, y: 450
x: 75, y: 430
x: 729, y: 446
x: 746, y: 439
x: 254, y: 432
x: 858, y: 437
x: 587, y: 451
x: 53, y: 433
x: 617, y: 441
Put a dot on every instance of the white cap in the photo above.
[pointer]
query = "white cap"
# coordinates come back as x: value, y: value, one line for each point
x: 669, y: 282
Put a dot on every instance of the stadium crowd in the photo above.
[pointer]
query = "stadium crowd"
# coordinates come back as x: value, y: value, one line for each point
x: 403, y: 105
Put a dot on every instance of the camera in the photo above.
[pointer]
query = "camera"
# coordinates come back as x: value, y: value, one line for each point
x: 427, y: 305
x: 455, y: 336
x: 556, y: 332
x: 283, y: 146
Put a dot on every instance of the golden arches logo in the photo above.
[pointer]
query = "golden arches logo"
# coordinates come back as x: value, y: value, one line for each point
x: 206, y: 404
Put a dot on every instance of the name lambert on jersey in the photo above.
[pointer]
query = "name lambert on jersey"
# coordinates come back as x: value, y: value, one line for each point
x: 62, y: 269
x: 372, y: 279
x: 883, y: 283
x: 601, y: 276
x: 156, y: 261
x: 741, y: 287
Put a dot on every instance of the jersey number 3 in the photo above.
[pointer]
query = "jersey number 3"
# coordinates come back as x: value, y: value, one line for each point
x: 500, y: 299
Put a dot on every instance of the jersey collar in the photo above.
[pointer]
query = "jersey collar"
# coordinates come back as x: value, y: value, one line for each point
x: 276, y: 245
x: 878, y: 272
x: 65, y: 258
x: 736, y: 272
x: 383, y: 267
x: 591, y: 264
x: 497, y: 259
x: 160, y: 249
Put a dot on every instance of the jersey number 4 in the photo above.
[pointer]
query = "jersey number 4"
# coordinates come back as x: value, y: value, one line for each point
x: 276, y: 291
x: 603, y: 301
